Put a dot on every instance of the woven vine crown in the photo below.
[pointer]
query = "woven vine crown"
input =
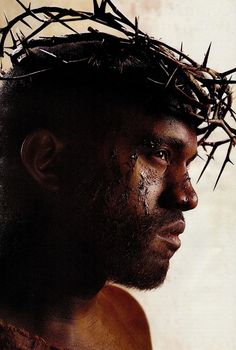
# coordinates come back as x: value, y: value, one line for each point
x: 198, y: 91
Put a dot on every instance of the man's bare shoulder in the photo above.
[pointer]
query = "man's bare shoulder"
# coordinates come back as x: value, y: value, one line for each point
x: 130, y: 314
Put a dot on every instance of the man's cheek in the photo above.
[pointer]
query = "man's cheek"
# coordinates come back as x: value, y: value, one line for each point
x: 150, y: 189
x: 143, y: 187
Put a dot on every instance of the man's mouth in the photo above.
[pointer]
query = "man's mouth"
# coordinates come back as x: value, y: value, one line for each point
x: 169, y: 234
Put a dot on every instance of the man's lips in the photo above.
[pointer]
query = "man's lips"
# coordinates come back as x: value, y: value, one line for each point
x: 170, y: 234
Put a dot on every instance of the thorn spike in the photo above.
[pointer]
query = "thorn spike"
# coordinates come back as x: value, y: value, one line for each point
x: 224, y: 74
x: 53, y: 55
x: 14, y: 41
x: 48, y: 53
x: 219, y: 176
x: 22, y: 5
x: 95, y: 7
x: 171, y: 77
x: 5, y: 15
x: 27, y: 24
x: 181, y: 50
x: 204, y: 64
x: 22, y: 34
x: 210, y: 157
x: 200, y: 157
x: 57, y: 19
x: 7, y: 53
x: 103, y: 6
x: 227, y: 160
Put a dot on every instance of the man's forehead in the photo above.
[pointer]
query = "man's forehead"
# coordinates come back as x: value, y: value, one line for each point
x: 171, y: 124
x: 174, y: 131
x: 159, y: 123
x: 160, y: 129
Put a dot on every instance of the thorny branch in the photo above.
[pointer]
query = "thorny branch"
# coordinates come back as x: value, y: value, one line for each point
x: 210, y: 93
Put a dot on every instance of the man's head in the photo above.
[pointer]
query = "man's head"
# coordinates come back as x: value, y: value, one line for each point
x: 95, y: 166
x: 101, y: 161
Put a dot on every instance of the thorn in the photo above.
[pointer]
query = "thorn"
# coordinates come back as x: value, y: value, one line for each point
x: 47, y: 17
x: 95, y: 7
x: 52, y: 55
x: 22, y: 34
x: 171, y: 77
x: 61, y: 22
x: 103, y: 6
x: 48, y: 53
x: 1, y: 69
x: 5, y: 15
x: 22, y: 5
x: 210, y: 157
x: 67, y: 26
x: 224, y: 74
x: 218, y: 178
x: 14, y: 41
x: 207, y: 81
x: 204, y: 64
x: 155, y: 81
x: 181, y: 50
x: 200, y: 157
x: 28, y: 10
x: 27, y: 24
x: 227, y: 160
x: 7, y: 53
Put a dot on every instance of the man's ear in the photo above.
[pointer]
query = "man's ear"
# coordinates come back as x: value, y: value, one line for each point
x: 40, y: 154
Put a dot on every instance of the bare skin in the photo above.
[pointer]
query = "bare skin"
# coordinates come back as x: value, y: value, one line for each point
x: 114, y: 319
x: 152, y: 157
x: 111, y: 320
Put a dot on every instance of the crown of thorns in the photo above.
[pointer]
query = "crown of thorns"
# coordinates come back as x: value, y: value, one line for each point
x: 210, y: 92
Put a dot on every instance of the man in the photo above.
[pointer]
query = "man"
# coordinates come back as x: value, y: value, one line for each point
x: 94, y: 173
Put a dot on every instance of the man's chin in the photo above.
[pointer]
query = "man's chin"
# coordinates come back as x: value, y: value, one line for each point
x: 143, y: 278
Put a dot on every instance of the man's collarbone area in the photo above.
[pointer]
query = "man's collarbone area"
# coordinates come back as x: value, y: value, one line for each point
x: 119, y: 323
x: 126, y: 323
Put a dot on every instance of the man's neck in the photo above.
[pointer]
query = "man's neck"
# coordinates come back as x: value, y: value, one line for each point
x: 110, y: 320
x: 57, y: 324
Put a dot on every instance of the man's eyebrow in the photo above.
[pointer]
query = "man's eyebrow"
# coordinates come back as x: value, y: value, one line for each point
x: 154, y: 141
x: 157, y: 141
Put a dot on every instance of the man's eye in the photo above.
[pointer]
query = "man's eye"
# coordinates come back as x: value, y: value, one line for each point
x: 162, y: 154
x: 157, y: 154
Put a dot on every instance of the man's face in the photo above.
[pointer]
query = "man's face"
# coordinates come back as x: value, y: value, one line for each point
x: 145, y: 189
x: 133, y: 209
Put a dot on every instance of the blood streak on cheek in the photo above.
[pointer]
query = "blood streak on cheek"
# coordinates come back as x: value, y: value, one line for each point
x: 142, y: 192
x: 148, y: 190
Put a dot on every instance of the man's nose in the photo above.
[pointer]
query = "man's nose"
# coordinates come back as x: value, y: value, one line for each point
x: 179, y: 194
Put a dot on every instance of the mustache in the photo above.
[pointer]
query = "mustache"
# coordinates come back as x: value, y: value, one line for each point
x: 145, y: 225
x: 160, y: 219
x: 167, y: 217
